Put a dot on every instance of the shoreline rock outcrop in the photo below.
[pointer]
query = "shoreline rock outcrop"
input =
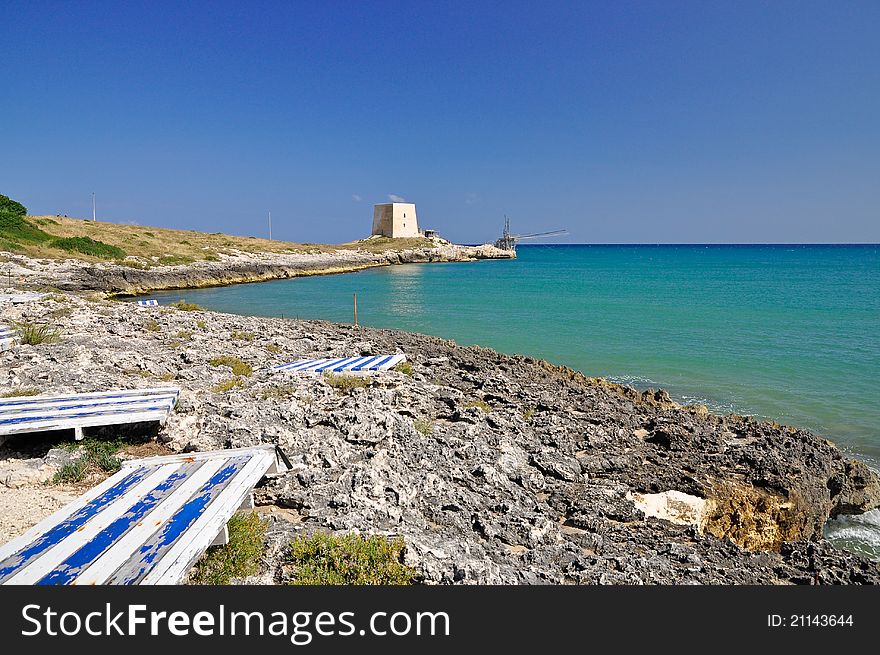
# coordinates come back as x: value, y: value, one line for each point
x: 493, y: 468
x: 238, y: 267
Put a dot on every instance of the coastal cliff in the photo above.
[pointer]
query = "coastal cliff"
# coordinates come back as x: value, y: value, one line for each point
x: 492, y: 468
x: 228, y: 268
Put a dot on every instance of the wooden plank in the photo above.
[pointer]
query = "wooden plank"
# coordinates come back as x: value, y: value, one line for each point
x: 177, y: 531
x: 123, y: 550
x: 179, y: 559
x: 48, y: 560
x: 53, y: 533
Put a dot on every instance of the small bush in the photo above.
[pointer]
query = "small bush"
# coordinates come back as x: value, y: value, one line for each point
x: 405, y: 368
x: 237, y: 559
x: 184, y: 335
x: 184, y: 306
x: 482, y: 404
x: 529, y: 413
x: 238, y: 367
x: 325, y: 559
x: 273, y: 348
x: 227, y: 385
x: 200, y: 325
x: 88, y: 246
x: 237, y: 335
x: 153, y: 326
x: 167, y: 377
x: 346, y: 382
x: 424, y: 426
x: 33, y: 334
x: 21, y: 391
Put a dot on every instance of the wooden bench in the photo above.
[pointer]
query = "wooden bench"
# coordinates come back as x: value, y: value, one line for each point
x: 24, y: 296
x: 7, y: 337
x: 146, y: 524
x: 349, y: 365
x: 76, y: 411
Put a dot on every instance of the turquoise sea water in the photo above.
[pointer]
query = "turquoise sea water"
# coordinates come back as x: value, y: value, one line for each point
x: 790, y: 333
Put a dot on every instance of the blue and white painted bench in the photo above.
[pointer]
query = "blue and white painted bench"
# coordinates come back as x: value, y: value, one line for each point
x: 25, y: 296
x: 146, y: 524
x: 76, y: 411
x: 7, y: 337
x: 148, y: 303
x: 350, y: 365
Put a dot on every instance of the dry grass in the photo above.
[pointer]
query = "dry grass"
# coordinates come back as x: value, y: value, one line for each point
x: 383, y: 244
x: 153, y: 246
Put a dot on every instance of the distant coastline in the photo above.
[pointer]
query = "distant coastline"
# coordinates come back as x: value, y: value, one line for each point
x: 142, y: 259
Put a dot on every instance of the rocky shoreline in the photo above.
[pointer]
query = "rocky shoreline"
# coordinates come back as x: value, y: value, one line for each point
x: 493, y: 468
x: 229, y: 268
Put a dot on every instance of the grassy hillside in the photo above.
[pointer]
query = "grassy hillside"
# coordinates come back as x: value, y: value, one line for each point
x: 139, y: 246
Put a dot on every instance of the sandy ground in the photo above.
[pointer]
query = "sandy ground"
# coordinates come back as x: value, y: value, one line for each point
x: 24, y: 507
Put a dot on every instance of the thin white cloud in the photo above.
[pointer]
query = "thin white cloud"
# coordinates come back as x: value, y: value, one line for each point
x: 393, y: 197
x: 471, y: 198
x: 356, y: 197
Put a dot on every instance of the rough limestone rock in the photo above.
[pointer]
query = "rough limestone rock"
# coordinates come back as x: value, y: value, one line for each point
x: 493, y: 469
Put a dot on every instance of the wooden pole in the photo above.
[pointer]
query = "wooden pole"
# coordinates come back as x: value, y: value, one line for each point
x: 355, y: 309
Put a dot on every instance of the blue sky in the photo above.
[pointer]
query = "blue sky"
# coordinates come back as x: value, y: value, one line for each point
x: 622, y: 122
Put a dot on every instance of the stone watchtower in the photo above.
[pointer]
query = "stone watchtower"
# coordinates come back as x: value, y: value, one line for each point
x: 395, y: 219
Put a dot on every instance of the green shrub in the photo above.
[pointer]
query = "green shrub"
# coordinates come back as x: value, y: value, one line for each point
x: 529, y: 413
x: 273, y: 348
x: 14, y: 227
x: 152, y: 326
x: 237, y: 559
x: 12, y: 207
x: 33, y: 334
x: 405, y: 368
x: 88, y: 246
x: 346, y: 382
x: 325, y: 559
x: 238, y: 366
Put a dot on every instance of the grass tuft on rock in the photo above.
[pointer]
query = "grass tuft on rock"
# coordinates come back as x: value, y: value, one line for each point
x: 481, y: 404
x: 405, y: 368
x: 237, y: 559
x: 184, y: 306
x: 97, y: 456
x: 346, y: 383
x: 33, y: 334
x: 325, y: 559
x: 238, y: 366
x: 152, y: 326
x: 21, y: 391
x: 424, y: 426
x: 227, y: 385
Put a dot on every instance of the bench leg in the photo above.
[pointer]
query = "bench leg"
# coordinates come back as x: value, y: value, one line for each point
x: 222, y: 537
x: 78, y: 434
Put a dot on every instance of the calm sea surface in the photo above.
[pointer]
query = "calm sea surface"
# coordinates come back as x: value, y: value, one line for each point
x: 790, y: 333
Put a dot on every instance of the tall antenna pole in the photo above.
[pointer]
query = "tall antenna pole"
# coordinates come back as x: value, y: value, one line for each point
x: 93, y: 207
x: 270, y: 226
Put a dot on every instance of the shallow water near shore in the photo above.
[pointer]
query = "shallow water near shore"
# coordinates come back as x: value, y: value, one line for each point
x: 788, y: 333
